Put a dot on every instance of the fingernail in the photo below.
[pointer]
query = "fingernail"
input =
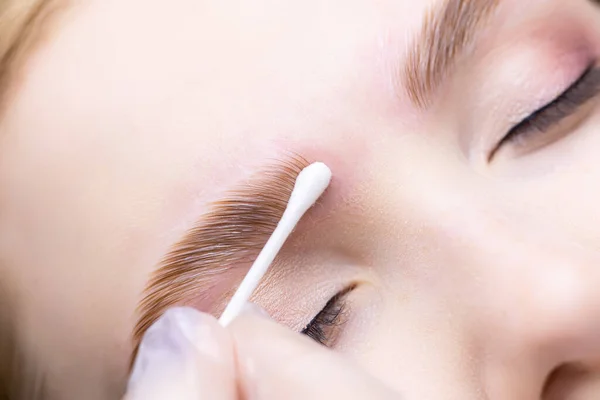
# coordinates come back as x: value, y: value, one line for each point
x: 256, y: 310
x: 171, y: 342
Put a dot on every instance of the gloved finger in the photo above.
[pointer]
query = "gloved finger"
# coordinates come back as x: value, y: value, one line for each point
x: 276, y: 363
x: 185, y: 355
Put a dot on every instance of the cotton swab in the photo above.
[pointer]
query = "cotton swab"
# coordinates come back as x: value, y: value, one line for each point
x: 310, y: 185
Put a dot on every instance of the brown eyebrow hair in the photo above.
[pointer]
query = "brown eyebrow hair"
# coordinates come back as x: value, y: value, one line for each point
x: 231, y: 233
x: 447, y: 31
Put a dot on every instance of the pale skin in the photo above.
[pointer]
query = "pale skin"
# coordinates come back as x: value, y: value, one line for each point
x: 189, y: 356
x: 476, y: 276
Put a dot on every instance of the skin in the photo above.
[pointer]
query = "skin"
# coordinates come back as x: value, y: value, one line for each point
x: 187, y: 355
x: 478, y: 276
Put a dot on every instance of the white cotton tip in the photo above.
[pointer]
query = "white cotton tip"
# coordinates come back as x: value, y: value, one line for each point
x: 310, y: 185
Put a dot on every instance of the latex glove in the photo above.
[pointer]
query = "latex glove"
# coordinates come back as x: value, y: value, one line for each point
x: 186, y: 355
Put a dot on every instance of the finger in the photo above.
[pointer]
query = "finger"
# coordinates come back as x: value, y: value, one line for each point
x: 276, y: 363
x: 185, y: 355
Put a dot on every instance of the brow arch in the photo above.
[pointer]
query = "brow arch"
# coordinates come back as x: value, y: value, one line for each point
x: 449, y: 28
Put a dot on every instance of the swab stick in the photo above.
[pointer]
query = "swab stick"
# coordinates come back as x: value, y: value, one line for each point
x: 310, y: 185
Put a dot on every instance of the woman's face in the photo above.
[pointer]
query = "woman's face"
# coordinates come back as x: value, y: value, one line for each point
x: 461, y: 227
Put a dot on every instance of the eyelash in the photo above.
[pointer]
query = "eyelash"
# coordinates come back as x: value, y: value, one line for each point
x: 584, y: 89
x: 324, y: 326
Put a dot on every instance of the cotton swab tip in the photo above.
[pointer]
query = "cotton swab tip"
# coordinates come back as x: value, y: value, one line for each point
x: 310, y: 185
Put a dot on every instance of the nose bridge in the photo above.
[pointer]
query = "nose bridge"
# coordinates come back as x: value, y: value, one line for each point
x: 534, y: 296
x: 523, y: 294
x: 540, y: 291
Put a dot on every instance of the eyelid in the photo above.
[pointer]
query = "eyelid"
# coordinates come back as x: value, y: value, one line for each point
x: 324, y: 327
x: 578, y: 94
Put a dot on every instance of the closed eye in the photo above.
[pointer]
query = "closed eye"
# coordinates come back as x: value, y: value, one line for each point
x: 325, y: 326
x: 556, y: 119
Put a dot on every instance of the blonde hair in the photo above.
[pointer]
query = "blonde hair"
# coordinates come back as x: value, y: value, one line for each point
x: 21, y: 25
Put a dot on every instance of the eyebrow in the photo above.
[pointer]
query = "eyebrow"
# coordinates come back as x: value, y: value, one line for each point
x: 230, y: 234
x: 448, y: 30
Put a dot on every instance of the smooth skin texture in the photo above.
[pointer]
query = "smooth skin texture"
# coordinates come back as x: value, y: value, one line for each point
x: 475, y: 278
x: 187, y: 355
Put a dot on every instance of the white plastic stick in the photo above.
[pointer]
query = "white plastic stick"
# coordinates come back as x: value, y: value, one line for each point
x: 310, y: 185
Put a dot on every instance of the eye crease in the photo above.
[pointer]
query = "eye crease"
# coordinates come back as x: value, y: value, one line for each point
x: 536, y: 127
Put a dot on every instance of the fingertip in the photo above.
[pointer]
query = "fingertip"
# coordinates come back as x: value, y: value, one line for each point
x: 184, y: 351
x: 276, y: 362
x: 202, y: 330
x: 181, y: 327
x: 261, y: 340
x: 273, y: 359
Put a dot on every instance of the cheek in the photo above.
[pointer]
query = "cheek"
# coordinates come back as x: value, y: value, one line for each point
x: 409, y: 348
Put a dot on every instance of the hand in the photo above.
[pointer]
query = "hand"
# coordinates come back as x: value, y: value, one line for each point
x: 186, y: 355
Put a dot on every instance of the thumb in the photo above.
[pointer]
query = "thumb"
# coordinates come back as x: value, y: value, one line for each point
x: 185, y: 355
x: 276, y: 363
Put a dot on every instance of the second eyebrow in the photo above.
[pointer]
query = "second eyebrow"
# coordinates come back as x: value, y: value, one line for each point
x: 447, y: 30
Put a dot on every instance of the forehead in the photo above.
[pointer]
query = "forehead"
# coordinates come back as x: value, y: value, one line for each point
x: 208, y: 38
x: 142, y: 56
